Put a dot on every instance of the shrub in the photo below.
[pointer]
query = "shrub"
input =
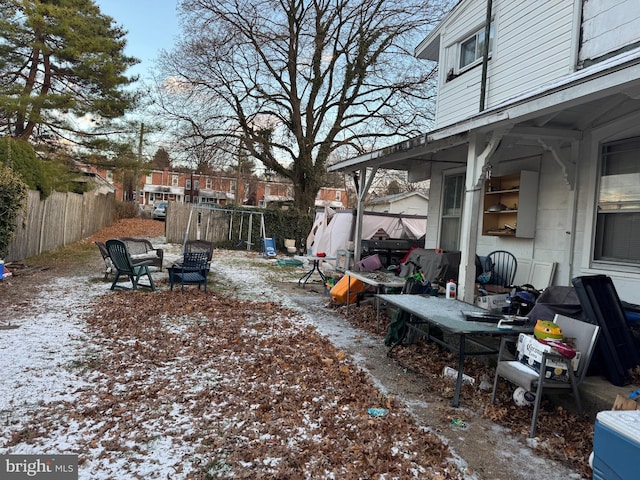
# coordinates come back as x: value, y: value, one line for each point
x: 13, y: 193
x: 127, y: 210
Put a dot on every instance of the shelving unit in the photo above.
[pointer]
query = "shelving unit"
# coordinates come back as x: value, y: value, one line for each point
x: 510, y: 205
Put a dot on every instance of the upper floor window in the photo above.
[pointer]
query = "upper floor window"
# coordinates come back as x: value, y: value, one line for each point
x: 338, y: 195
x: 148, y: 179
x: 174, y: 180
x: 196, y: 184
x: 187, y: 184
x: 208, y: 183
x: 617, y: 236
x: 472, y: 48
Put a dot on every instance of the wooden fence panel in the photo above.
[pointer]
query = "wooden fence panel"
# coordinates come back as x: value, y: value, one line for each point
x: 60, y: 219
x: 205, y: 224
x: 53, y: 224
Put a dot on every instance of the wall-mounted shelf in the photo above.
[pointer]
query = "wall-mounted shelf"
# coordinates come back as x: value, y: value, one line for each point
x: 510, y: 205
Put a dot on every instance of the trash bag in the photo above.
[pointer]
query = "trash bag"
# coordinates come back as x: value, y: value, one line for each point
x: 413, y: 285
x: 397, y: 328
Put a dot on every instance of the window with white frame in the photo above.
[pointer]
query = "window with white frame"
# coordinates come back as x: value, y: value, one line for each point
x: 472, y: 48
x: 617, y: 235
x: 208, y: 182
x: 196, y: 184
x: 187, y: 184
x: 338, y: 192
x: 174, y: 180
x: 452, y: 198
x: 149, y: 179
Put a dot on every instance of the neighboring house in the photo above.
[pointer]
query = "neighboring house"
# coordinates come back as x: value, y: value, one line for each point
x: 409, y: 203
x: 184, y: 187
x: 552, y: 116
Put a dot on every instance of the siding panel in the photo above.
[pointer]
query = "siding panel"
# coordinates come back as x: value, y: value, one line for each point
x: 532, y: 45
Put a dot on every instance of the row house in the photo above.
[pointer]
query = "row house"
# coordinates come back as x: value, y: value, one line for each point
x: 186, y: 187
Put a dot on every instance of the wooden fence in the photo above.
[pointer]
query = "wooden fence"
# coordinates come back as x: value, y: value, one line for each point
x: 228, y: 228
x: 60, y: 219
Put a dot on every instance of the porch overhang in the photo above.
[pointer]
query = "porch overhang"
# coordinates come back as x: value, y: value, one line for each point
x: 558, y: 111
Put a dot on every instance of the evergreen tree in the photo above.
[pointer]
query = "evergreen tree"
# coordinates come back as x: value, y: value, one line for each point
x: 62, y: 67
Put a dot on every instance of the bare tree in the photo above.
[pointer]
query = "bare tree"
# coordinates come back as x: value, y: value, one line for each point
x: 294, y: 81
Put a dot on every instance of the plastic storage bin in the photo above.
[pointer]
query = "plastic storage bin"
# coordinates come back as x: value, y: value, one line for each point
x: 616, y: 445
x: 347, y: 284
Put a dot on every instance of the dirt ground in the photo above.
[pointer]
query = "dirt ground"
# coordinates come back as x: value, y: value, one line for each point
x: 490, y: 440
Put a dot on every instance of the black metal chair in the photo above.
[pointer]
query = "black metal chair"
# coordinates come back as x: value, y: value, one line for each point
x: 193, y: 270
x: 124, y: 265
x: 503, y: 266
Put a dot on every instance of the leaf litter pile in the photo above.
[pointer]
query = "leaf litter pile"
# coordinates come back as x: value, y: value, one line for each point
x: 561, y: 434
x: 220, y: 388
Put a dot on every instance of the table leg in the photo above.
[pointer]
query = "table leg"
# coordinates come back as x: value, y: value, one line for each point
x: 304, y: 278
x: 456, y: 395
x: 348, y: 294
x: 377, y: 308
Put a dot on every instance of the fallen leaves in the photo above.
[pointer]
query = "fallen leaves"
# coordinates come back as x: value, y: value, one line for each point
x: 248, y: 386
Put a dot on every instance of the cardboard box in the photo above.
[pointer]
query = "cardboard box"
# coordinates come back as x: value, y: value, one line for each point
x: 492, y: 302
x: 530, y: 352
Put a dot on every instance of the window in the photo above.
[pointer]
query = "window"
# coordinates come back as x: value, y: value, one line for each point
x: 338, y: 195
x: 196, y: 184
x: 208, y: 182
x: 149, y: 179
x: 453, y: 195
x: 187, y: 184
x: 472, y: 48
x: 617, y: 237
x: 174, y: 180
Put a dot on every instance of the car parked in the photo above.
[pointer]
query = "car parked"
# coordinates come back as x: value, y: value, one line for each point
x: 160, y: 212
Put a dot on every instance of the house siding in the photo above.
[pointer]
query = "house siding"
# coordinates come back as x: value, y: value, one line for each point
x: 608, y: 26
x: 532, y: 45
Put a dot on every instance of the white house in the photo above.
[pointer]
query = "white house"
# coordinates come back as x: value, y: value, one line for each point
x: 548, y: 115
x: 409, y: 203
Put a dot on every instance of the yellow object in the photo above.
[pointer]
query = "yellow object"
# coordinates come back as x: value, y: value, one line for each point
x: 346, y: 284
x: 545, y: 329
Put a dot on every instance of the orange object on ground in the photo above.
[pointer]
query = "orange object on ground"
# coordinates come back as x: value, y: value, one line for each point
x: 346, y: 285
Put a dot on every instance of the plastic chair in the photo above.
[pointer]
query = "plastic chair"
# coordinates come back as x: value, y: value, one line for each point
x: 199, y: 246
x: 522, y: 375
x: 124, y: 265
x: 503, y: 266
x: 108, y: 264
x: 193, y: 270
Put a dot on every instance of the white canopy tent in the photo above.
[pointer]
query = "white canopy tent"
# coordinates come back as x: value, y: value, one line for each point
x: 334, y: 230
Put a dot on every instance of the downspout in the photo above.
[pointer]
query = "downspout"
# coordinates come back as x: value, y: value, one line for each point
x: 485, y: 55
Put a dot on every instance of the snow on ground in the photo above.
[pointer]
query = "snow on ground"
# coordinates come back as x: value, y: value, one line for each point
x: 47, y: 361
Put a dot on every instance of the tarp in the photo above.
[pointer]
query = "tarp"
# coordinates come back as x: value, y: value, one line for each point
x: 332, y: 229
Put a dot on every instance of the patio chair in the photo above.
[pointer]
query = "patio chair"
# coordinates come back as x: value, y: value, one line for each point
x: 199, y: 246
x: 124, y: 265
x: 108, y: 264
x: 503, y: 266
x: 193, y: 270
x: 525, y: 376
